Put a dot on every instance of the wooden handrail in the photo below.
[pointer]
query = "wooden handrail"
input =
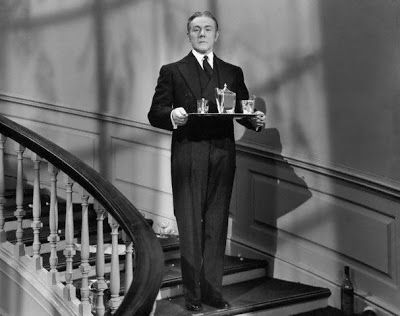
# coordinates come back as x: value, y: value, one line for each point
x: 149, y: 257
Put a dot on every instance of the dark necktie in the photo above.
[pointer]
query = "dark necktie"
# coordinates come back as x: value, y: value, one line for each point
x: 207, y: 68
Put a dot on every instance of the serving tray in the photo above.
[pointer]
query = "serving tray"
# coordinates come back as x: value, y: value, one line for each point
x: 222, y: 114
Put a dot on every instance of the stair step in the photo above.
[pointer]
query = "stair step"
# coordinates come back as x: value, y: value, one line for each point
x: 327, y: 311
x: 246, y: 286
x: 76, y: 261
x: 256, y: 296
x: 92, y: 256
x: 169, y: 242
x: 10, y: 202
x: 45, y: 230
x: 236, y: 269
x: 27, y: 237
x: 170, y: 246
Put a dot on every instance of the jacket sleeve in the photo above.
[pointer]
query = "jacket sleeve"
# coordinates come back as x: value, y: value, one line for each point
x: 163, y: 99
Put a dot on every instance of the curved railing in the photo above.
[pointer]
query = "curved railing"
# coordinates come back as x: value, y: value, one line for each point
x: 149, y: 260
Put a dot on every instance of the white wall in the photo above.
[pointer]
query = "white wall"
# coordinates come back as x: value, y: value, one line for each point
x: 321, y: 67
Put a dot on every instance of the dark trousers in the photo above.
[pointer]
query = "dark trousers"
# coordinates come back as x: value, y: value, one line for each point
x: 202, y: 179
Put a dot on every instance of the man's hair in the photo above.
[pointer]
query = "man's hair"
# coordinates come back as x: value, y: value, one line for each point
x: 198, y: 14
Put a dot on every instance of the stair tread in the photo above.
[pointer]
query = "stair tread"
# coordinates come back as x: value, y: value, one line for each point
x: 61, y: 265
x: 327, y: 311
x: 76, y: 260
x: 172, y: 273
x: 27, y: 237
x: 172, y: 270
x: 10, y: 203
x: 169, y: 242
x: 45, y: 230
x: 258, y: 294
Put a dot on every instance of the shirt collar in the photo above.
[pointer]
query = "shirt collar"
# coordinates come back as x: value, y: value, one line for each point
x: 200, y: 57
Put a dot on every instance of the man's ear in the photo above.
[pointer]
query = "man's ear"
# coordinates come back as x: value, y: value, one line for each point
x: 216, y: 36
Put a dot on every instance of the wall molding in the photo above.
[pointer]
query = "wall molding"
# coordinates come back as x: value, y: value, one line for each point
x: 389, y: 188
x: 375, y: 183
x: 59, y: 108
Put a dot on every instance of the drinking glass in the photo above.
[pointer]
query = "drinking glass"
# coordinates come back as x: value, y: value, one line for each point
x: 247, y: 106
x: 202, y: 106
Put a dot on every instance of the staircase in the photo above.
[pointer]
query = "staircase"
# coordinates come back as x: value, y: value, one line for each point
x: 89, y: 261
x: 246, y: 284
x: 46, y: 242
x: 247, y: 288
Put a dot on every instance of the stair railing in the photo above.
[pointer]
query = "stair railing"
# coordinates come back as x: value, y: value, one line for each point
x: 144, y: 257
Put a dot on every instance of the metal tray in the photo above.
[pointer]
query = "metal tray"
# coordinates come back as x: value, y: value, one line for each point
x: 222, y: 114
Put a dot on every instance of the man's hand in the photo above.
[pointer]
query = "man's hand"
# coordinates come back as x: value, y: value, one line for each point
x: 258, y: 121
x: 179, y: 116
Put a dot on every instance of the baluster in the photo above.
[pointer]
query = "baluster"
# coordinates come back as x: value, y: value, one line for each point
x: 101, y: 283
x: 69, y: 251
x: 84, y: 306
x: 2, y: 188
x: 19, y: 247
x: 128, y: 262
x: 53, y: 238
x: 37, y: 210
x: 114, y: 275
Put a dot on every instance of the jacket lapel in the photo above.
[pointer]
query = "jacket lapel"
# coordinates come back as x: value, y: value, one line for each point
x: 188, y: 68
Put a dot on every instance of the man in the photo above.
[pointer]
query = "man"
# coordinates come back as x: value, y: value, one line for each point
x: 202, y: 157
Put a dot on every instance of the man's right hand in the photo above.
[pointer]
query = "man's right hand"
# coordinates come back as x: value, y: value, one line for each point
x: 179, y: 116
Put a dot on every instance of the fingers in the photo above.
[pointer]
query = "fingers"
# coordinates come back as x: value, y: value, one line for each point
x: 259, y: 119
x: 179, y: 116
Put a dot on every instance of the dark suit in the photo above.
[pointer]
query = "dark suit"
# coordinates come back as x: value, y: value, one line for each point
x: 202, y: 167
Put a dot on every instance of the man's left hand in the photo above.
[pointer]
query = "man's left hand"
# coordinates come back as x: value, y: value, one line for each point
x: 258, y: 121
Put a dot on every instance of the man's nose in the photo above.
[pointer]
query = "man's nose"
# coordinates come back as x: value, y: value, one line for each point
x: 202, y: 32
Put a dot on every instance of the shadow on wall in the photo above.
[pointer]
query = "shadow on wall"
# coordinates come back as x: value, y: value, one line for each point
x: 289, y: 190
x: 23, y: 20
x: 282, y: 199
x: 274, y: 190
x: 359, y: 60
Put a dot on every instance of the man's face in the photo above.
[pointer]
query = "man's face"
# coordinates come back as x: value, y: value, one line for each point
x: 203, y: 34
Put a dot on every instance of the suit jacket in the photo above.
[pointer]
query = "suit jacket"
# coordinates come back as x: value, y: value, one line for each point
x: 179, y: 85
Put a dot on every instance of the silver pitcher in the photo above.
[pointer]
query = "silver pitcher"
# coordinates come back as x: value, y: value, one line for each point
x: 226, y: 100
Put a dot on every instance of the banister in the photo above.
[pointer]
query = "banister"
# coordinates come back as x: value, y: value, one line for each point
x: 147, y: 274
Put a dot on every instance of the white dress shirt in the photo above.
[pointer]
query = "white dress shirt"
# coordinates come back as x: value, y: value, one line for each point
x: 200, y: 57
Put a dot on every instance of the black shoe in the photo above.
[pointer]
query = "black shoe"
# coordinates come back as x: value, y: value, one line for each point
x: 219, y: 303
x: 193, y: 307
